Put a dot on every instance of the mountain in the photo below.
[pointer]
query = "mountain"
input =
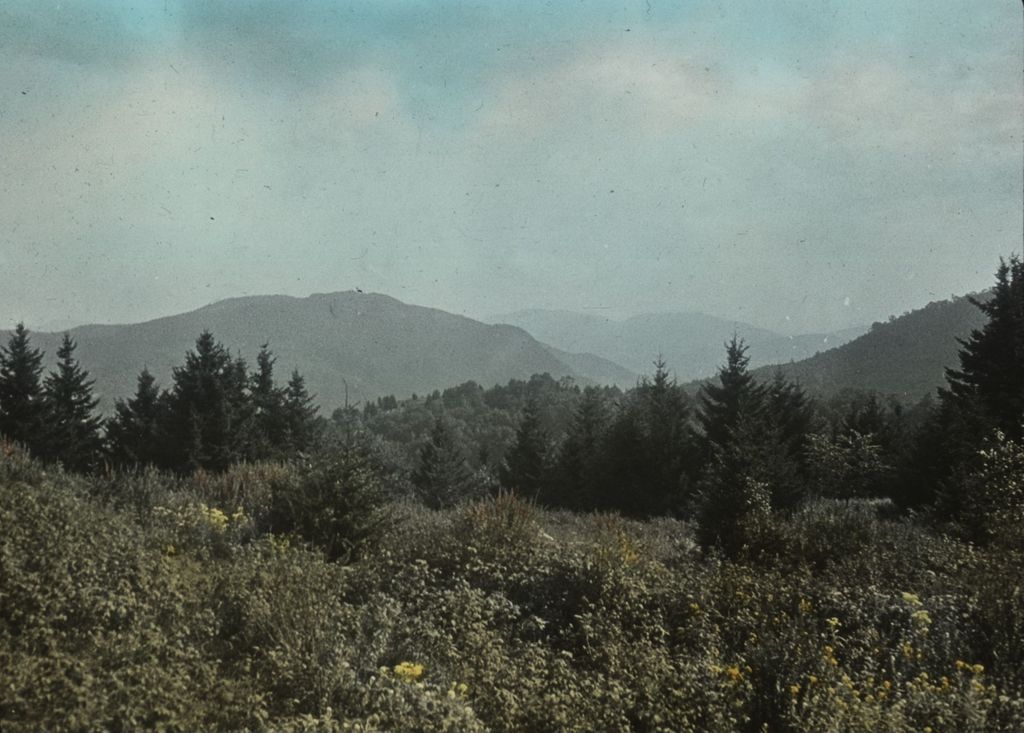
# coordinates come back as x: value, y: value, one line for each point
x: 374, y: 343
x: 905, y: 357
x: 690, y: 343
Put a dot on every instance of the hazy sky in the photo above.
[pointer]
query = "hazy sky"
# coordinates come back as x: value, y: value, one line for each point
x: 814, y: 164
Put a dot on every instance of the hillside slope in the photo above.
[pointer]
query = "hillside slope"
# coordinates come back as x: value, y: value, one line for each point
x: 374, y: 343
x: 905, y: 357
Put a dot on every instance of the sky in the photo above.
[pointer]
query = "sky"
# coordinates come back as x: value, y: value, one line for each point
x: 800, y: 165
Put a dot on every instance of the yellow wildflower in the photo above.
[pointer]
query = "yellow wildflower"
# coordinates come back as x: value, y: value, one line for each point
x: 734, y: 674
x: 794, y: 690
x: 912, y: 598
x: 977, y: 668
x: 408, y: 671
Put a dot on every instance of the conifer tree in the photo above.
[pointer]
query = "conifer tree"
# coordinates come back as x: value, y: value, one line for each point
x: 299, y: 411
x: 135, y: 432
x: 991, y: 374
x: 72, y: 434
x: 525, y: 466
x: 984, y: 395
x: 649, y: 447
x: 442, y: 477
x: 22, y: 416
x: 735, y: 395
x: 580, y: 458
x: 207, y: 407
x: 269, y: 428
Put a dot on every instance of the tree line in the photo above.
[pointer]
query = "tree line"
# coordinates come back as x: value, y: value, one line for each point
x: 733, y: 454
x: 215, y: 413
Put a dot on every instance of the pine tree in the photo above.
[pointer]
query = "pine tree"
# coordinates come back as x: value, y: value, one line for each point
x: 525, y: 466
x: 134, y: 434
x: 72, y: 434
x: 22, y: 409
x: 442, y: 477
x: 299, y: 411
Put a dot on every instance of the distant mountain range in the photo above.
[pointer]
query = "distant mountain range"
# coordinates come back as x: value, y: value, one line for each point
x: 690, y: 343
x: 905, y: 357
x: 357, y: 346
x: 367, y: 344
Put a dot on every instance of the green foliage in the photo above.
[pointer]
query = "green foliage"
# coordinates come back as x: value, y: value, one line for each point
x: 443, y: 478
x: 22, y: 409
x: 135, y: 433
x: 182, y: 612
x: 994, y: 493
x: 526, y: 464
x: 333, y: 502
x: 72, y: 429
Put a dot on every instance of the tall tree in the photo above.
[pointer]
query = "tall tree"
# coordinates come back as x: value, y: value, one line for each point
x: 269, y: 424
x: 735, y: 395
x: 207, y: 407
x: 135, y: 433
x: 22, y: 416
x: 72, y: 435
x: 442, y: 477
x: 991, y: 373
x: 648, y: 448
x: 299, y: 414
x: 984, y: 395
x: 580, y: 458
x: 525, y: 466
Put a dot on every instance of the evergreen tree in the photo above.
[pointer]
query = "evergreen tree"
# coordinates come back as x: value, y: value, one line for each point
x: 986, y: 394
x: 649, y: 448
x: 299, y: 411
x: 135, y: 434
x: 525, y: 466
x: 72, y: 435
x: 269, y: 425
x: 207, y: 408
x: 442, y: 477
x: 581, y: 458
x: 991, y: 374
x: 735, y: 395
x: 22, y: 409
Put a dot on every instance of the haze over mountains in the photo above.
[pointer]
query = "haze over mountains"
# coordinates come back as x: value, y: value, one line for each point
x: 690, y: 343
x: 373, y: 343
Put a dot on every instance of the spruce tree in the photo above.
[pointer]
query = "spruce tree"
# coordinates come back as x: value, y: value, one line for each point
x: 135, y: 434
x: 299, y: 411
x: 22, y: 409
x: 525, y: 466
x: 207, y: 408
x: 72, y: 435
x: 580, y: 458
x: 269, y: 428
x: 983, y: 396
x: 442, y: 478
x: 735, y: 395
x: 649, y: 447
x: 991, y: 374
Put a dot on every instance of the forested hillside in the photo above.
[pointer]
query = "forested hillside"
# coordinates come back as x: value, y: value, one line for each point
x: 905, y: 356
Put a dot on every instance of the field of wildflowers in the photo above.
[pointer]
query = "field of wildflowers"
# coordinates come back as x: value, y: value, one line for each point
x: 143, y: 601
